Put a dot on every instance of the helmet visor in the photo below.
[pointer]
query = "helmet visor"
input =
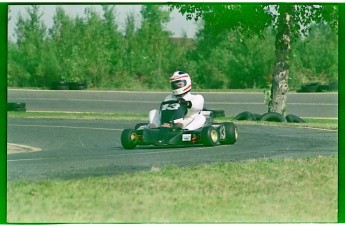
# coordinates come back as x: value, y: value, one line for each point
x: 178, y: 84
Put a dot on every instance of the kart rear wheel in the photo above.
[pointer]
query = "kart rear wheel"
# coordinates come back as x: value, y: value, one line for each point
x: 230, y: 132
x: 128, y: 139
x: 209, y: 136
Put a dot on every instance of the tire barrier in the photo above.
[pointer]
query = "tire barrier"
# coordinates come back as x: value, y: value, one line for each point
x: 216, y: 113
x: 270, y: 117
x: 309, y: 87
x: 256, y: 117
x: 273, y: 117
x: 61, y: 85
x: 245, y: 116
x: 318, y: 87
x: 77, y: 85
x: 16, y: 107
x: 294, y: 119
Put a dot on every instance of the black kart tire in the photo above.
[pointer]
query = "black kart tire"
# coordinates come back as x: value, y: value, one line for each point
x: 209, y: 136
x: 323, y: 88
x: 333, y: 86
x: 16, y: 107
x: 215, y: 113
x: 77, y: 85
x: 244, y: 116
x: 78, y: 88
x: 256, y: 117
x: 60, y: 86
x: 128, y: 139
x: 273, y: 117
x: 294, y: 119
x: 231, y: 133
x: 218, y: 113
x: 310, y: 87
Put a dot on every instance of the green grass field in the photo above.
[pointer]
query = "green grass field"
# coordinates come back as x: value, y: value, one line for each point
x: 283, y: 190
x: 253, y: 191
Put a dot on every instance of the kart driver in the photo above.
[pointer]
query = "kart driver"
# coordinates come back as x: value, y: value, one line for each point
x: 181, y: 85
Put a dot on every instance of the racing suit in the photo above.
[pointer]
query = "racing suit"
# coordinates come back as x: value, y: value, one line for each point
x: 192, y: 120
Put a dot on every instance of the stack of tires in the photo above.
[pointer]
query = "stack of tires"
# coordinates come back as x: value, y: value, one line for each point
x: 77, y: 85
x: 318, y: 87
x: 16, y: 107
x: 61, y: 85
x: 216, y: 113
x: 270, y: 117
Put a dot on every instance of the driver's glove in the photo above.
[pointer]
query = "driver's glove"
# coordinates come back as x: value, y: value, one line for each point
x: 176, y: 126
x: 184, y: 102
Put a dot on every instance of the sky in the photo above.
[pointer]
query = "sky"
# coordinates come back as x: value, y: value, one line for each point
x: 177, y: 25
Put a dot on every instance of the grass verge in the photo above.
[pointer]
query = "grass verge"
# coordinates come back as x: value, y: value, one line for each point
x: 280, y: 190
x: 331, y: 124
x: 77, y: 115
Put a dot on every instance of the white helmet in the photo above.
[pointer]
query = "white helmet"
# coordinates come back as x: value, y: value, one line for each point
x: 180, y: 83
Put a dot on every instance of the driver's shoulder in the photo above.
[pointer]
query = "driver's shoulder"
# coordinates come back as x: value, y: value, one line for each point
x: 170, y: 97
x: 196, y: 97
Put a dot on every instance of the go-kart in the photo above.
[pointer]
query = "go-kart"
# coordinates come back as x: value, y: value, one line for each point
x: 210, y: 134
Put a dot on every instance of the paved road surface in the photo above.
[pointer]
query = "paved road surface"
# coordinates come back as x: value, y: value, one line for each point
x: 86, y: 148
x: 301, y: 104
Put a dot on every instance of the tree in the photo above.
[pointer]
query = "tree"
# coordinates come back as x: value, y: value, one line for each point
x: 17, y: 75
x: 96, y: 62
x: 315, y: 57
x: 234, y: 61
x: 288, y: 20
x: 131, y: 45
x: 98, y: 33
x: 31, y: 33
x: 62, y: 36
x: 155, y: 47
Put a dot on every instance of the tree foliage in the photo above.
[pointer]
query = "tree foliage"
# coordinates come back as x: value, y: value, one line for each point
x: 287, y: 20
x: 30, y: 40
x: 91, y: 48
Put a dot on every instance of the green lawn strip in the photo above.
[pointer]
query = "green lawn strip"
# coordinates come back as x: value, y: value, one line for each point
x: 267, y: 190
x: 331, y: 124
x: 77, y: 115
x: 328, y: 124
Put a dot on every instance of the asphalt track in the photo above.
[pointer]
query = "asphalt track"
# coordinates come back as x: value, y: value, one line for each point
x: 324, y: 105
x: 71, y: 149
x: 67, y: 149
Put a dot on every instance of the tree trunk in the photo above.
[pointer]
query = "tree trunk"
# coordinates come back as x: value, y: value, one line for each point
x: 279, y: 89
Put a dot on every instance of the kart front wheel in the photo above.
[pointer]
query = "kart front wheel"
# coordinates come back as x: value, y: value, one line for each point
x: 229, y: 132
x: 128, y: 139
x: 209, y: 136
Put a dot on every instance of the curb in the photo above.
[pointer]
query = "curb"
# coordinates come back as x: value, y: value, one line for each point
x: 18, y: 148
